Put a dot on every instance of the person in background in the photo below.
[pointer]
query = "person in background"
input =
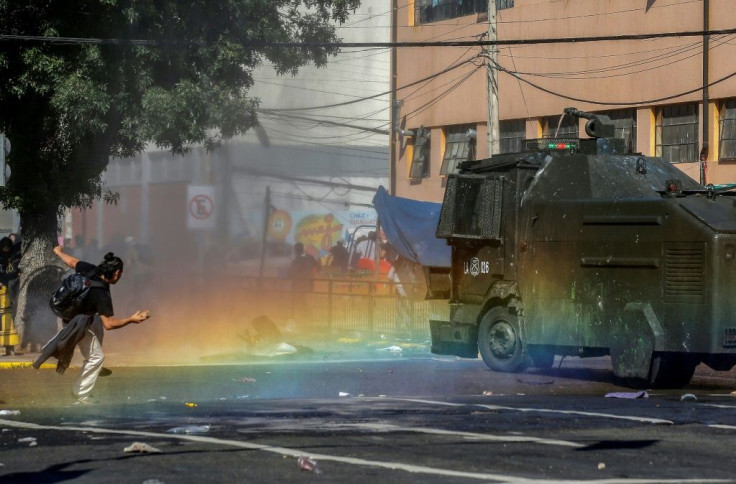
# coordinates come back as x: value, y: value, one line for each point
x: 9, y: 260
x: 86, y: 328
x: 368, y: 247
x: 301, y: 272
x: 78, y: 250
x: 399, y: 276
x: 92, y: 250
x: 339, y: 256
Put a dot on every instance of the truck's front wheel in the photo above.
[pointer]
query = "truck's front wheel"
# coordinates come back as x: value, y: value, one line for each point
x: 499, y: 342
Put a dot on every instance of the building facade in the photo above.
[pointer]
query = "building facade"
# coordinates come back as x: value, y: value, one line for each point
x: 651, y: 87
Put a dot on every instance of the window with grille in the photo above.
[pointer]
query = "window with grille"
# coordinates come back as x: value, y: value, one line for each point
x: 420, y: 157
x: 727, y: 130
x: 459, y: 146
x: 567, y: 128
x: 676, y: 133
x: 427, y: 11
x: 512, y: 133
x: 471, y: 207
x: 624, y: 121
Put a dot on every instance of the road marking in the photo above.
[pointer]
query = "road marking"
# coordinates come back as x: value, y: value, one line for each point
x: 722, y: 426
x: 717, y: 405
x: 467, y: 435
x: 543, y: 410
x: 417, y: 469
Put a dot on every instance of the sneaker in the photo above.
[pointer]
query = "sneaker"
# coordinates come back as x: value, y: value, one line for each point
x: 105, y: 372
x: 86, y: 401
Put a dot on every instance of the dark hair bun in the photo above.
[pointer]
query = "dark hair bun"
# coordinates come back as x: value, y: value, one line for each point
x: 109, y: 256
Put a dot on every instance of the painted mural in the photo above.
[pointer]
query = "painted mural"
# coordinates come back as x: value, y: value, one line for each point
x: 319, y: 230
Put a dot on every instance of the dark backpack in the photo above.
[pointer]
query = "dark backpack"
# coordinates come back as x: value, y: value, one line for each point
x: 67, y: 301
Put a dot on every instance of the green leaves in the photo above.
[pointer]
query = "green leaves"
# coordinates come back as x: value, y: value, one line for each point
x: 68, y: 106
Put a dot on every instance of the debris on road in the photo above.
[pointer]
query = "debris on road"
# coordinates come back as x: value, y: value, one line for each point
x: 487, y: 393
x: 393, y: 349
x: 688, y: 397
x: 190, y: 404
x: 343, y: 394
x: 601, y: 466
x: 308, y: 464
x: 5, y: 413
x: 142, y: 448
x: 190, y: 429
x: 629, y: 395
x: 245, y: 379
x: 31, y: 441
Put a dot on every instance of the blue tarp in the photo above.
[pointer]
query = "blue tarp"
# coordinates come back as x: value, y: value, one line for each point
x: 410, y: 226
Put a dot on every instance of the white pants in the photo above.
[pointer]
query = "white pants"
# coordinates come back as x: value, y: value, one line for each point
x: 91, y: 348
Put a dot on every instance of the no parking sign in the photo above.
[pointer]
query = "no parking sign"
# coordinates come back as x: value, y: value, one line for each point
x: 201, y: 206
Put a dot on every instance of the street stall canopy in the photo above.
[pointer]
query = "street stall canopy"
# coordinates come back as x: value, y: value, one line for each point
x: 410, y: 227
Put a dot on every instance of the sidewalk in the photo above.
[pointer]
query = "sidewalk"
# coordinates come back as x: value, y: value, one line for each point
x: 332, y: 347
x: 23, y: 359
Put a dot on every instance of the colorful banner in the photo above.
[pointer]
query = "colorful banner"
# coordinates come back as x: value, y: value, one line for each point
x: 319, y: 230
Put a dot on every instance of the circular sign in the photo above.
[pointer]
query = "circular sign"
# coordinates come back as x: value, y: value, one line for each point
x: 201, y: 206
x: 279, y: 224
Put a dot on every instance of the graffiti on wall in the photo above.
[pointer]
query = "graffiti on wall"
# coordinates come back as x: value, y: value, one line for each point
x: 317, y: 230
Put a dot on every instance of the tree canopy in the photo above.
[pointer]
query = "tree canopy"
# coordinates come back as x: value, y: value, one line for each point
x: 84, y: 80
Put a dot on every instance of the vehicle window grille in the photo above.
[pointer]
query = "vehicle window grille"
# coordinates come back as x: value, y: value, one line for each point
x: 684, y: 272
x: 472, y: 207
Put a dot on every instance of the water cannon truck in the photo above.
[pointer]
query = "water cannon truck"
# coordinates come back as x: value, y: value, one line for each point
x: 578, y: 247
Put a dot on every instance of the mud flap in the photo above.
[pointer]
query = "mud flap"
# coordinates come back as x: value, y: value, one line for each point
x: 634, y: 341
x: 454, y: 339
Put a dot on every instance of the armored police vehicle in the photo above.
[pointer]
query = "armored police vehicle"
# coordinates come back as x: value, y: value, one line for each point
x: 578, y: 247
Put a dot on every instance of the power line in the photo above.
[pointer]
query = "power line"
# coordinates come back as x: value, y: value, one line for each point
x: 350, y: 45
x: 329, y: 123
x: 665, y: 59
x: 611, y: 103
x: 419, y: 81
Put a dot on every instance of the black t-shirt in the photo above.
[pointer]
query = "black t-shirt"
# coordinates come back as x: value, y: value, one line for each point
x: 98, y: 299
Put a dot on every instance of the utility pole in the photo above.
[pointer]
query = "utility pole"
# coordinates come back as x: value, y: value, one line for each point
x: 703, y: 158
x: 393, y: 158
x: 494, y: 146
x: 266, y: 218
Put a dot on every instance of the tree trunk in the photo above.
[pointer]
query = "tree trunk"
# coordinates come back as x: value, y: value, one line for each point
x: 40, y: 276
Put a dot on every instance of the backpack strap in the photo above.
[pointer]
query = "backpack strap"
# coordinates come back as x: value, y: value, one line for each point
x: 94, y: 282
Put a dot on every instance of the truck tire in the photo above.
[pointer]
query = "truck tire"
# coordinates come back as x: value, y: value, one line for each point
x: 671, y: 370
x: 499, y: 342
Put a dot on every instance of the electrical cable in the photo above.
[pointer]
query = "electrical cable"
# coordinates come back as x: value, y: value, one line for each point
x: 611, y: 103
x: 668, y: 58
x: 438, y: 98
x: 351, y: 45
x: 413, y: 83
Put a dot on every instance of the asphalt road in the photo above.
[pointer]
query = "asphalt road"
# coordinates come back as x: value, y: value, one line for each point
x: 395, y: 420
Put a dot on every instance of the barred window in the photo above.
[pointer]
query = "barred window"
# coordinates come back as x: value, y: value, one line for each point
x: 727, y: 130
x: 420, y: 158
x: 624, y: 121
x: 427, y: 11
x: 568, y: 128
x: 459, y: 146
x: 676, y: 133
x: 512, y: 133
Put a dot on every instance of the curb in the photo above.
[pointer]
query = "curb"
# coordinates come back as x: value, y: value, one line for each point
x: 11, y: 365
